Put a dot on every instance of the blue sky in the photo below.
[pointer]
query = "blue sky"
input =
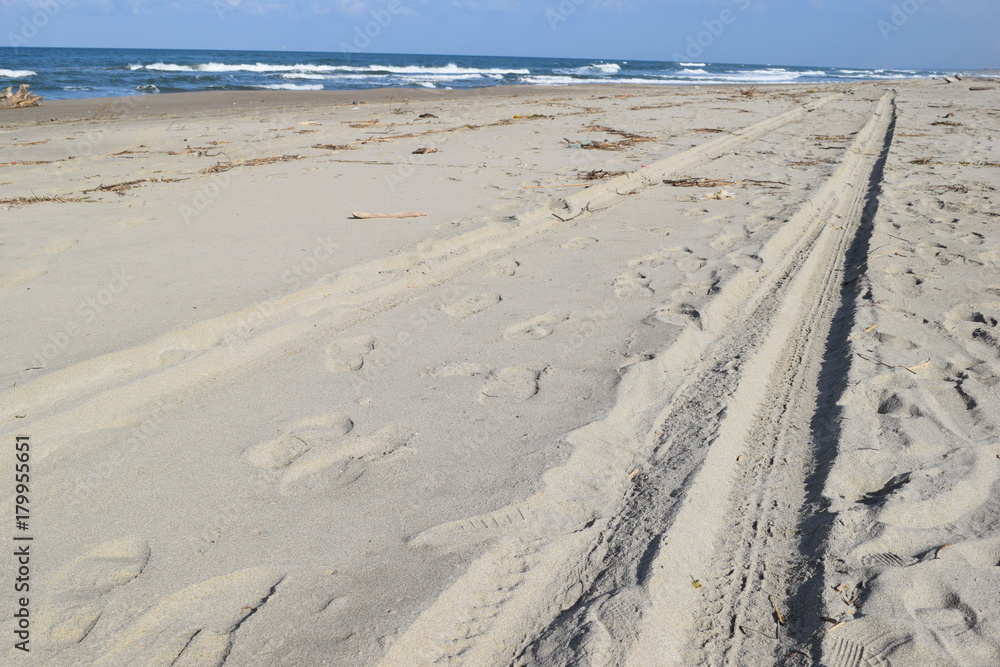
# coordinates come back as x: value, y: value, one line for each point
x: 850, y: 33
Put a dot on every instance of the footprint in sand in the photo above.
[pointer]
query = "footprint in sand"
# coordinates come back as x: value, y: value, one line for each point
x: 991, y: 257
x: 335, y: 464
x: 678, y: 314
x: 76, y: 594
x: 299, y: 439
x: 746, y: 261
x: 56, y: 247
x: 504, y: 267
x: 952, y: 621
x: 18, y: 278
x: 902, y: 280
x: 649, y: 261
x: 691, y: 264
x: 348, y: 355
x: 731, y: 237
x: 632, y: 285
x: 456, y: 369
x: 193, y: 626
x: 537, y: 327
x: 471, y: 305
x: 976, y: 322
x: 579, y: 243
x: 514, y: 384
x: 864, y: 643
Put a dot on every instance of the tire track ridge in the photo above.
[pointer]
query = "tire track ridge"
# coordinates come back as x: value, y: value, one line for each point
x: 756, y: 568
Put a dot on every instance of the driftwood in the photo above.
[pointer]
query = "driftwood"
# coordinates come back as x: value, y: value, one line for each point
x: 368, y: 216
x: 22, y: 98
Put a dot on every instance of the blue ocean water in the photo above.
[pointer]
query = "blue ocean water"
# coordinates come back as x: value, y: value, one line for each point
x: 58, y: 73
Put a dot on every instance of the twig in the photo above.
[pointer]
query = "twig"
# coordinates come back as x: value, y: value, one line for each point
x: 562, y: 185
x: 777, y: 612
x: 882, y: 363
x: 368, y: 216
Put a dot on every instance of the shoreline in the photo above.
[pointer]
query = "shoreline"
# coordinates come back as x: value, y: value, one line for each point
x: 215, y: 101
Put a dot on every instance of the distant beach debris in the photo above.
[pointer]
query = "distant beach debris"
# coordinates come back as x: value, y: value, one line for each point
x: 425, y: 151
x: 369, y: 216
x: 22, y: 98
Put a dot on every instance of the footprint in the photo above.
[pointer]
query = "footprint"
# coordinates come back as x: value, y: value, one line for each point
x: 193, y: 626
x: 505, y: 267
x: 902, y: 280
x: 975, y: 321
x: 650, y: 261
x: 730, y: 238
x: 471, y: 305
x: 696, y: 212
x: 632, y: 285
x: 679, y: 314
x: 537, y: 327
x: 539, y: 514
x: 950, y: 620
x: 17, y: 278
x: 55, y: 247
x: 691, y: 264
x: 579, y: 243
x: 346, y: 356
x: 314, y: 471
x: 752, y: 262
x: 513, y: 384
x: 867, y: 642
x: 76, y: 593
x: 299, y: 439
x: 455, y: 369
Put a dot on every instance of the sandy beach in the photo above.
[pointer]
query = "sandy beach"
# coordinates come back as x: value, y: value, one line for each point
x: 663, y: 376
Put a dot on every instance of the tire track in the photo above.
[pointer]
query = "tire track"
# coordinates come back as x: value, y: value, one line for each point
x: 758, y: 562
x: 595, y: 533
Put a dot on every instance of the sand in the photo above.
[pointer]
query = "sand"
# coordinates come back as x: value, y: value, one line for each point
x: 747, y: 417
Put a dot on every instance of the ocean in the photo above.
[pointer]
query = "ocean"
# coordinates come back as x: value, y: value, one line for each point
x: 57, y: 73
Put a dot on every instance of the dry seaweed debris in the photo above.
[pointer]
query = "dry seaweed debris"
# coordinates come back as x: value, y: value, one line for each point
x: 334, y: 147
x: 718, y: 182
x: 121, y: 188
x: 709, y: 130
x: 58, y: 199
x: 627, y: 139
x: 256, y: 162
x: 600, y: 174
x: 19, y: 100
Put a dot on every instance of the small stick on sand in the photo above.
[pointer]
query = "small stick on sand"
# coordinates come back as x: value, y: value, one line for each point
x: 406, y: 214
x: 562, y: 185
x: 777, y: 613
x: 882, y: 363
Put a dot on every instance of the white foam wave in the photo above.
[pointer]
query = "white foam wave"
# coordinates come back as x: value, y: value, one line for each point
x: 552, y: 80
x: 693, y: 64
x: 596, y: 68
x: 291, y: 86
x: 303, y: 75
x: 16, y: 73
x: 450, y: 68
